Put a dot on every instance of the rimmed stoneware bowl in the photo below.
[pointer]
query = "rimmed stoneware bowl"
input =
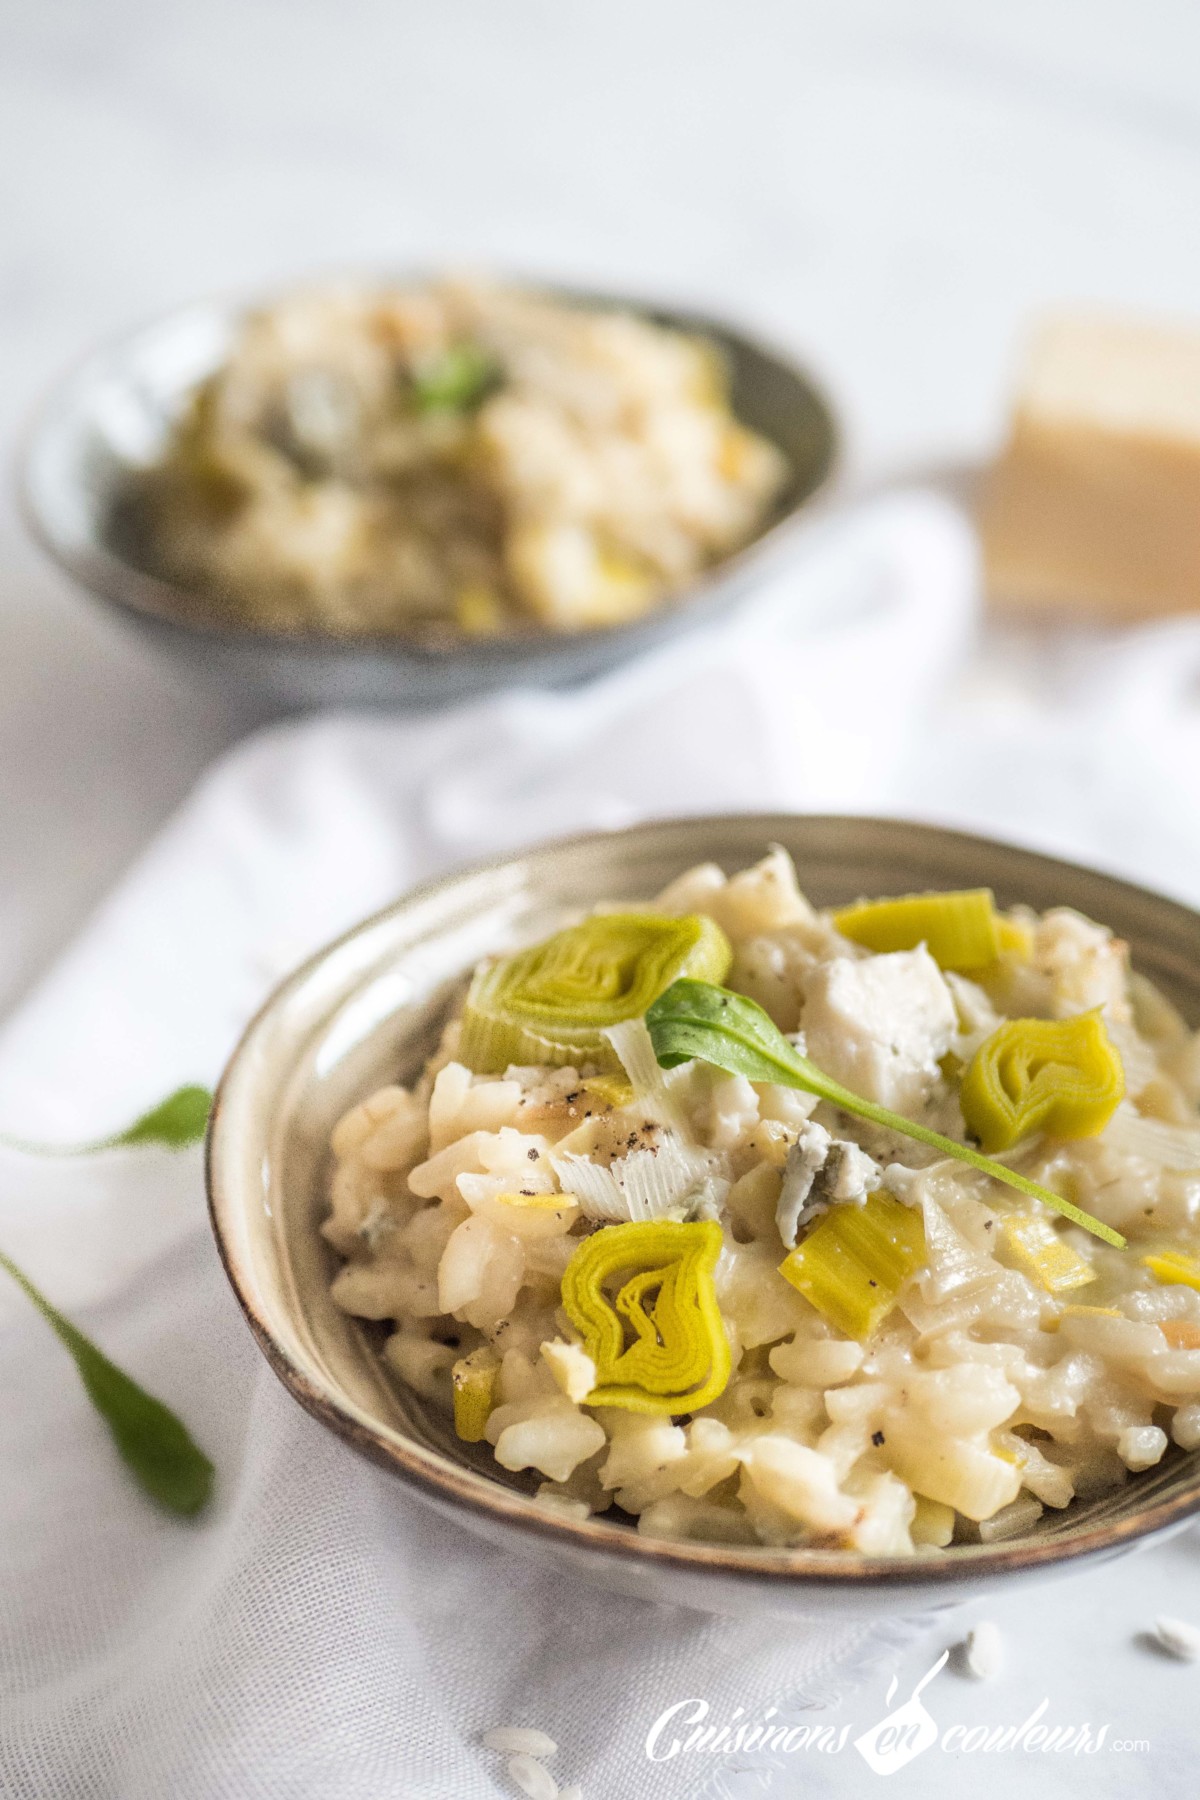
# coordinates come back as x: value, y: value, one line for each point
x: 109, y: 419
x: 368, y: 1010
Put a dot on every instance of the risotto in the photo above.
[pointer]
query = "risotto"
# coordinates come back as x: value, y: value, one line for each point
x: 754, y: 1223
x: 454, y: 459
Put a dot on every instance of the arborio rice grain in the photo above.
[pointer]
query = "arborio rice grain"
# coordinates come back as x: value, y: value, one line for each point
x: 984, y: 1651
x: 981, y: 1400
x: 519, y: 1740
x: 532, y: 1779
x: 1178, y: 1639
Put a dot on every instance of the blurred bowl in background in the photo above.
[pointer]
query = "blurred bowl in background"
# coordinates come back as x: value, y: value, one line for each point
x: 110, y: 419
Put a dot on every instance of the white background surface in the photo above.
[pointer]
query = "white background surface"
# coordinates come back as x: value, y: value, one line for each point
x: 891, y: 187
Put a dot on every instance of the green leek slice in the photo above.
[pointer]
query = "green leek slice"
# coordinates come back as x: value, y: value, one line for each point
x: 1173, y: 1268
x: 679, y: 1358
x: 473, y: 1379
x: 1062, y: 1076
x: 553, y: 1002
x: 1074, y: 1311
x: 1037, y: 1249
x: 854, y: 1261
x: 960, y: 930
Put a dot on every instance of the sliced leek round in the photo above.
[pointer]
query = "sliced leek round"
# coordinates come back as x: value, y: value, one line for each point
x: 961, y: 930
x: 1062, y: 1076
x: 659, y: 1345
x: 853, y: 1263
x: 553, y: 1002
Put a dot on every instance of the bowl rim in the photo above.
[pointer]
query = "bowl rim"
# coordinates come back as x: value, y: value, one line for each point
x: 97, y: 567
x: 440, y: 1481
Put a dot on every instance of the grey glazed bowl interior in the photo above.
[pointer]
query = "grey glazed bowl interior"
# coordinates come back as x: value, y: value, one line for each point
x: 111, y: 417
x: 368, y: 1010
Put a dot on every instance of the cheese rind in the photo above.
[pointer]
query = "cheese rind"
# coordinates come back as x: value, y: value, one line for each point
x: 1095, y: 502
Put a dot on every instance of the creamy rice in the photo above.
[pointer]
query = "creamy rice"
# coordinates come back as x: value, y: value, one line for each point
x: 454, y: 459
x: 983, y: 1398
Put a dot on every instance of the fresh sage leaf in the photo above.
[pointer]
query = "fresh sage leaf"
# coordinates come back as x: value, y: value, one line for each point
x: 177, y: 1121
x: 697, y: 1020
x: 154, y: 1443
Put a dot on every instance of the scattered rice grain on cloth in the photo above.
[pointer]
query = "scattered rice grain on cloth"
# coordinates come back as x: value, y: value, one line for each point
x: 1178, y: 1638
x: 519, y: 1740
x: 984, y: 1651
x: 532, y: 1777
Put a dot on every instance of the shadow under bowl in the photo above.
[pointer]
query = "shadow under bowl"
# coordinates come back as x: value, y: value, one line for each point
x: 369, y: 1010
x: 110, y: 419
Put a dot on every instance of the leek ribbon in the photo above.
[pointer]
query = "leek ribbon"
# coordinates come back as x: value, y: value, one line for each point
x: 960, y: 930
x: 679, y: 1359
x: 1173, y: 1268
x: 854, y: 1261
x: 697, y: 1019
x: 1062, y: 1076
x: 1035, y: 1245
x: 553, y: 1002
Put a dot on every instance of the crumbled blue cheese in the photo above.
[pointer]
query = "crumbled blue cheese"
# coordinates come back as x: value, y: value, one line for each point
x: 821, y: 1170
x: 880, y: 1024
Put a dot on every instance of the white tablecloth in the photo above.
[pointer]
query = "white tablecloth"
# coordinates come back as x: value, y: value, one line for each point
x: 320, y: 1633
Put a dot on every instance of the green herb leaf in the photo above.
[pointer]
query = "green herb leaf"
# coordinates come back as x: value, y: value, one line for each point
x: 695, y: 1019
x: 153, y: 1442
x: 455, y: 380
x: 177, y: 1121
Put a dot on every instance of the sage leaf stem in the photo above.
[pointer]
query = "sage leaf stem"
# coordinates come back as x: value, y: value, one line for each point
x: 174, y: 1123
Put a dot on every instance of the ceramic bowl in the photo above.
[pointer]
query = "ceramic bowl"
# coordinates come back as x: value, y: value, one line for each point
x: 369, y: 1009
x: 111, y: 417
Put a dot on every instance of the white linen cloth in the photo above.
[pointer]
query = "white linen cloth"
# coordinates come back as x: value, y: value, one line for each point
x: 319, y: 1633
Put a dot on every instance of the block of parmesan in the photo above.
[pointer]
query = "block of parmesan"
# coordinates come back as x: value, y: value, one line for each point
x: 1095, y: 502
